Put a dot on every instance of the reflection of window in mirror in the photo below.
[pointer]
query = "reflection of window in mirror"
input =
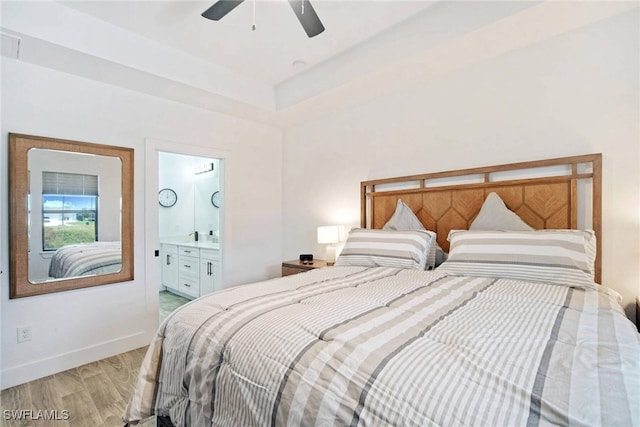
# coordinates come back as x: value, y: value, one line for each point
x: 69, y: 209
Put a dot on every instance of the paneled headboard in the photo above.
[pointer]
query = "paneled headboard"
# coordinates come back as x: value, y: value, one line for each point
x: 553, y: 193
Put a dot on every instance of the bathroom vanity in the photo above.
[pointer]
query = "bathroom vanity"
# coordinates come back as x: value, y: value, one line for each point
x: 191, y: 269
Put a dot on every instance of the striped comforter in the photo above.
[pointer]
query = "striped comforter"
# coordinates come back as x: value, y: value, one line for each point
x: 86, y: 259
x: 387, y: 346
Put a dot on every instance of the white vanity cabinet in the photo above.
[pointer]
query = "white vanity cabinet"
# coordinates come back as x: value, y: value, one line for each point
x: 209, y: 271
x: 169, y: 269
x: 189, y: 270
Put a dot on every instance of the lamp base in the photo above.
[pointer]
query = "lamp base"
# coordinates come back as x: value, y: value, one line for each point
x: 330, y: 255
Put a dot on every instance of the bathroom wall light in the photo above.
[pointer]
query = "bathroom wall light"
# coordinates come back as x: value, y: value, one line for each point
x: 203, y: 168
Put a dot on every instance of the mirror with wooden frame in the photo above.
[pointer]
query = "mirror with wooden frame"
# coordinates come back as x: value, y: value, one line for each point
x: 70, y: 215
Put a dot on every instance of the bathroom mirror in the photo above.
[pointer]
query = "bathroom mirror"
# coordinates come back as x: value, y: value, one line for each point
x: 70, y: 215
x: 194, y: 184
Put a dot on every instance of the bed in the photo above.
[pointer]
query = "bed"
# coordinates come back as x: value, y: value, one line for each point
x: 518, y: 334
x: 86, y: 259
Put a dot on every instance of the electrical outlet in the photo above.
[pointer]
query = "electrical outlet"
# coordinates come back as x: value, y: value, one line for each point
x: 24, y: 334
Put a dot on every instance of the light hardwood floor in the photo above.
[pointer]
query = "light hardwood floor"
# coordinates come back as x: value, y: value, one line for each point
x: 95, y: 395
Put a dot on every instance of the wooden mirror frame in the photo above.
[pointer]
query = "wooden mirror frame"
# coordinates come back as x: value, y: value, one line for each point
x: 19, y: 146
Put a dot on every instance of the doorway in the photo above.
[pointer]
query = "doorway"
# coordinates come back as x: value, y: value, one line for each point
x: 189, y: 223
x: 196, y: 175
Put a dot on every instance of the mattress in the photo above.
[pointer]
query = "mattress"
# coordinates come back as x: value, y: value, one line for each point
x: 390, y: 346
x: 86, y: 259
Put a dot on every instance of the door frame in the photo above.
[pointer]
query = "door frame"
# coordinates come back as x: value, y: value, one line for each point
x: 153, y: 147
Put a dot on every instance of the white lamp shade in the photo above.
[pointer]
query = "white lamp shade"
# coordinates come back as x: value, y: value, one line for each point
x: 328, y: 234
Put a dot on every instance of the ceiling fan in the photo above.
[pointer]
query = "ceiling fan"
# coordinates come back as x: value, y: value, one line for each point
x: 302, y: 8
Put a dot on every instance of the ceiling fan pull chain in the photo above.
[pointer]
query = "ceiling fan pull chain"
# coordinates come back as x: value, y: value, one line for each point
x: 253, y: 27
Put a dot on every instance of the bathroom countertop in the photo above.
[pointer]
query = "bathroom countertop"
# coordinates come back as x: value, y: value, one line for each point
x: 204, y: 244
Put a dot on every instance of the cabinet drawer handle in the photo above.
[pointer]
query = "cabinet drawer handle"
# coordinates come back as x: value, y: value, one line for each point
x: 168, y: 259
x: 187, y: 266
x: 187, y: 285
x: 209, y: 268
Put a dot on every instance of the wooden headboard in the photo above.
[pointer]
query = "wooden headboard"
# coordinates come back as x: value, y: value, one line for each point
x: 553, y: 193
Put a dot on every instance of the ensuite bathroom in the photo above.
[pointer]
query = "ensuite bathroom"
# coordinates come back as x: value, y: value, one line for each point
x: 190, y: 202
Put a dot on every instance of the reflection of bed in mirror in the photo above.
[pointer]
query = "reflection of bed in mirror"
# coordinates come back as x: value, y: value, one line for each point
x: 86, y: 259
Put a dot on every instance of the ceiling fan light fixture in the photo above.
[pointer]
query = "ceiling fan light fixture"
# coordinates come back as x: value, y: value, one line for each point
x: 302, y: 8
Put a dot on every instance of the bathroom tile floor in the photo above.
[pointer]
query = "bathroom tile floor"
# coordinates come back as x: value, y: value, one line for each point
x: 169, y: 302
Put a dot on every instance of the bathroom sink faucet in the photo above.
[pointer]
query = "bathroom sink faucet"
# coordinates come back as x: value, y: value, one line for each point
x: 195, y: 235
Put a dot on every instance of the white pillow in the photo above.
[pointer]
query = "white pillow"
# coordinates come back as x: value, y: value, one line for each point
x: 383, y: 248
x: 563, y: 257
x: 494, y: 215
x: 404, y: 219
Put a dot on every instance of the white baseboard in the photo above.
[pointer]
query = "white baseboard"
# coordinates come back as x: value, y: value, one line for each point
x: 41, y: 368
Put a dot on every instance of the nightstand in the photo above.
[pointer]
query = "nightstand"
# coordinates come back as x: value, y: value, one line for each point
x: 296, y: 266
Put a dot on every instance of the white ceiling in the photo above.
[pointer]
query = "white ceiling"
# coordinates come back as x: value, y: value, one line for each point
x: 370, y: 48
x: 266, y: 54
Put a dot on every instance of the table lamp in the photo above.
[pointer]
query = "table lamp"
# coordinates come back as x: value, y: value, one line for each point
x: 329, y: 235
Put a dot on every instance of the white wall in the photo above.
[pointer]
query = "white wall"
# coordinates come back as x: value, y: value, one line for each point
x: 577, y: 93
x: 79, y: 326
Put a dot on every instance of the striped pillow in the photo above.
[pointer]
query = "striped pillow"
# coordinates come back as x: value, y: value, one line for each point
x: 384, y: 248
x: 549, y: 256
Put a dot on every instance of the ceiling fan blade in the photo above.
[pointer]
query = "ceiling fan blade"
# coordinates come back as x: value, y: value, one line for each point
x: 220, y: 9
x: 307, y: 17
